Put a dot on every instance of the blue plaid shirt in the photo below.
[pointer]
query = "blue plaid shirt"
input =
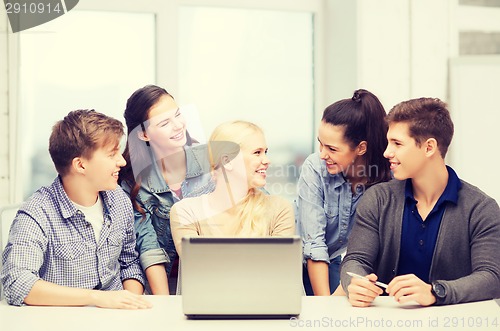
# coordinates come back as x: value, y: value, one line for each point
x: 50, y: 240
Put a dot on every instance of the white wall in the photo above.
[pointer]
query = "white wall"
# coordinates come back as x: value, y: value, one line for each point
x: 341, y: 42
x: 432, y: 38
x: 384, y: 46
x: 4, y: 118
x: 474, y: 86
x: 397, y: 49
x: 475, y: 82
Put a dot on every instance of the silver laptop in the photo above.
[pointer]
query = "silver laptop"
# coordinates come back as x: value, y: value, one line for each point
x: 241, y: 277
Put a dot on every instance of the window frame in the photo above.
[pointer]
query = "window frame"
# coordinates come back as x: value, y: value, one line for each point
x: 166, y: 18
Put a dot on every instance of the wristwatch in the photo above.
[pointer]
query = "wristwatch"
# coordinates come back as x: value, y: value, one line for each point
x: 439, y: 291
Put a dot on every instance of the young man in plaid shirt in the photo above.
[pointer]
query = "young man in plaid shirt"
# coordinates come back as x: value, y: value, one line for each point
x: 73, y: 243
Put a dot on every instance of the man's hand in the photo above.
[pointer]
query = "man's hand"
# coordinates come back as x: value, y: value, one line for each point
x: 411, y: 288
x: 362, y: 292
x: 119, y: 299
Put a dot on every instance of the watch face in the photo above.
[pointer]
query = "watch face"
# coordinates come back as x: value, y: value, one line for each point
x: 439, y: 290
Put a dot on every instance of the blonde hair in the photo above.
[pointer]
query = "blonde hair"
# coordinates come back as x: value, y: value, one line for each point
x: 225, y: 141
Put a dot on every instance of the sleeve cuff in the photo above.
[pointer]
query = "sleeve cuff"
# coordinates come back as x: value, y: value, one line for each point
x: 152, y: 257
x: 20, y: 289
x: 316, y: 253
x: 137, y: 276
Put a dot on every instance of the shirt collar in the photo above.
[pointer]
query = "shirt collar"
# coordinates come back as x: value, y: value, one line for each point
x: 197, y: 163
x: 68, y: 209
x: 197, y: 160
x: 450, y: 193
x: 335, y: 180
x: 454, y: 185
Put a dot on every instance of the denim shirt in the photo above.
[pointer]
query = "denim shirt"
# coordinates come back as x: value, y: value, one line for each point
x: 325, y: 209
x: 154, y: 237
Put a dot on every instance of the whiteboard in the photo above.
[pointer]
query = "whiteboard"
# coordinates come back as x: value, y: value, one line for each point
x: 475, y: 109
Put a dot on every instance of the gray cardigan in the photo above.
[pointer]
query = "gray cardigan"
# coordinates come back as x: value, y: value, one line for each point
x: 466, y: 258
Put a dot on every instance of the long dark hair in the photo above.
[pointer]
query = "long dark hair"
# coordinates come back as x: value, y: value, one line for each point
x: 136, y: 117
x: 363, y: 117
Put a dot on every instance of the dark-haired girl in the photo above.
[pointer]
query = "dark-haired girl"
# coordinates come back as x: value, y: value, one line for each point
x: 163, y: 166
x: 352, y: 140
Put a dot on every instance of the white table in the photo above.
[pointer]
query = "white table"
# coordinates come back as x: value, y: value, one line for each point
x: 328, y: 313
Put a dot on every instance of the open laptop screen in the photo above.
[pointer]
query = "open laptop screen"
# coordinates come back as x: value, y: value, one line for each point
x: 241, y: 277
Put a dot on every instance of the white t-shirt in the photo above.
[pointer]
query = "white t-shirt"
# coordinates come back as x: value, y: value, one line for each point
x: 94, y: 215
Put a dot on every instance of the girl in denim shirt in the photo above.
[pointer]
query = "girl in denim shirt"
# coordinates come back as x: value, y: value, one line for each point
x: 163, y: 166
x: 352, y: 140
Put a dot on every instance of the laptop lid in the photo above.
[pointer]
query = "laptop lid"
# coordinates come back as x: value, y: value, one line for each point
x: 241, y: 277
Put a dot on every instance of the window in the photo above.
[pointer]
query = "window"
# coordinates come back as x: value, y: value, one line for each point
x: 479, y: 43
x: 78, y: 61
x: 485, y: 3
x: 255, y: 60
x: 255, y: 65
x: 478, y: 25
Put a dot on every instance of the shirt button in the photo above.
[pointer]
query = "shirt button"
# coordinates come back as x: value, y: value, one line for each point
x: 421, y: 242
x: 423, y: 226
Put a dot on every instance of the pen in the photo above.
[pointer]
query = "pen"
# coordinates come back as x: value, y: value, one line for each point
x: 352, y: 274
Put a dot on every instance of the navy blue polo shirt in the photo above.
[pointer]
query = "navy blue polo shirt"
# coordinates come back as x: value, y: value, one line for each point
x: 418, y: 237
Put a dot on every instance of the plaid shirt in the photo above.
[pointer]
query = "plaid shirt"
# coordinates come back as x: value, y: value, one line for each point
x: 50, y: 240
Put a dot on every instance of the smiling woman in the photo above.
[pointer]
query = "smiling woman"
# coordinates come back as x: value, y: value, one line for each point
x: 352, y: 138
x: 164, y: 165
x: 237, y: 206
x: 165, y: 130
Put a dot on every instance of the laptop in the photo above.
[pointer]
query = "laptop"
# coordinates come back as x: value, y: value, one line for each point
x: 241, y: 277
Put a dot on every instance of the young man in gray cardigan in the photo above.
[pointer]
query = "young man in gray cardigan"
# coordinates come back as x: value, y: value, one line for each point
x: 431, y: 236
